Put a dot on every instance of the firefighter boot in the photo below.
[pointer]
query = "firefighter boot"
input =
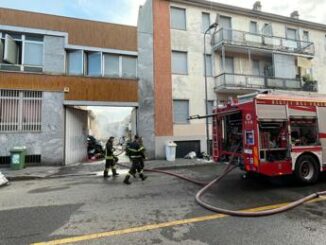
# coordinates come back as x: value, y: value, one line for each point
x: 114, y: 172
x: 106, y: 173
x: 142, y: 176
x: 126, y: 181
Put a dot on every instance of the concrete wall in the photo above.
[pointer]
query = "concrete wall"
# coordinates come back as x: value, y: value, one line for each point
x: 146, y: 113
x: 49, y: 143
x: 54, y: 55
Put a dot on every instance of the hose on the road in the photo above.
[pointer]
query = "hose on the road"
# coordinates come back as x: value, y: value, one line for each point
x: 230, y: 167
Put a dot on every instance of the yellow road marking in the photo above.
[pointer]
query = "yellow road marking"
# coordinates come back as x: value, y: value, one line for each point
x: 159, y: 225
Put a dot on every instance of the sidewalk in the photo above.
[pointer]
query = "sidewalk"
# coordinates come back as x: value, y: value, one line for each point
x: 90, y: 168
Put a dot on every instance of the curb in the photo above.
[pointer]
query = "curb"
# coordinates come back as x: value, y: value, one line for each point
x: 69, y: 175
x: 55, y: 176
x: 4, y: 184
x: 186, y: 166
x: 26, y: 178
x: 23, y: 177
x: 149, y: 167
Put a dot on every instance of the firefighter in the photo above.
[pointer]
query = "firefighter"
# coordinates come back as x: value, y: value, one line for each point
x: 110, y: 159
x: 142, y: 150
x: 136, y: 153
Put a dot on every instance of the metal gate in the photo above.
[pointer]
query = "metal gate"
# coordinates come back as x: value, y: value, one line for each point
x: 75, y: 135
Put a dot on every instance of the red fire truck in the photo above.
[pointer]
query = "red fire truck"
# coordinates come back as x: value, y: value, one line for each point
x: 273, y: 134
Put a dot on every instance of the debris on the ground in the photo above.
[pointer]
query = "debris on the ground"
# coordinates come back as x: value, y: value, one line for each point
x: 3, y: 180
x: 190, y: 155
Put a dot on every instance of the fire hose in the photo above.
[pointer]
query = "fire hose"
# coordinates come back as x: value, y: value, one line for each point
x: 230, y: 167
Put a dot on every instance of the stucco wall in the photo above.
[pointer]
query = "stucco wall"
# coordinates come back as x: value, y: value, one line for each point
x: 191, y: 86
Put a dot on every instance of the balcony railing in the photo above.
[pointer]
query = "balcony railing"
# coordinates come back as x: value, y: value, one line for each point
x: 231, y: 80
x: 247, y: 39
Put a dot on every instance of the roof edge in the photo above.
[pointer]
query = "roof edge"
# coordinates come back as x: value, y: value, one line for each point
x: 252, y: 13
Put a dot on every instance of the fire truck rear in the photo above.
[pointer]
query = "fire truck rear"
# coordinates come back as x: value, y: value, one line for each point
x: 273, y: 135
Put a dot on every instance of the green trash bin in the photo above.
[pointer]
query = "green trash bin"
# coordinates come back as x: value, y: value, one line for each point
x: 17, y: 158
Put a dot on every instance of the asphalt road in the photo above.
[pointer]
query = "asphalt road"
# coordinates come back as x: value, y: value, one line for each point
x: 47, y: 210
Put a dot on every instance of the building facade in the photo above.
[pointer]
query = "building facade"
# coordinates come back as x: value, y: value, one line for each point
x: 49, y: 67
x: 249, y: 51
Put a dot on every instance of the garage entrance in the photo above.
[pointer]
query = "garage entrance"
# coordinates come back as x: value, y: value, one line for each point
x: 87, y: 128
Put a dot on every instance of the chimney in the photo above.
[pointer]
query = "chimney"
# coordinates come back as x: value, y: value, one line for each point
x: 295, y: 15
x: 257, y: 6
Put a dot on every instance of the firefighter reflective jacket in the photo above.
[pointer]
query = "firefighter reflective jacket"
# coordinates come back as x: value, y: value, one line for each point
x: 109, y: 151
x: 135, y: 151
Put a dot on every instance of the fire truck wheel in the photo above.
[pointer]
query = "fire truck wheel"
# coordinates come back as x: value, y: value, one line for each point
x: 307, y: 170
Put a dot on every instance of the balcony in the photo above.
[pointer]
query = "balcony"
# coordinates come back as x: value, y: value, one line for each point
x: 229, y: 81
x: 252, y: 40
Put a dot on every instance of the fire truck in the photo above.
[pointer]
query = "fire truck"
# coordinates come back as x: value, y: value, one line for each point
x: 273, y: 134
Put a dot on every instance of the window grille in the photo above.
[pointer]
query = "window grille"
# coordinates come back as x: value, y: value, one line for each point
x: 20, y: 111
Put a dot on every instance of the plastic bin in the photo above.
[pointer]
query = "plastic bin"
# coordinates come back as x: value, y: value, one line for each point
x: 17, y: 158
x: 170, y: 151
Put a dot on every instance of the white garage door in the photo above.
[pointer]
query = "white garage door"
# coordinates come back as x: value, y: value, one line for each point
x: 76, y: 135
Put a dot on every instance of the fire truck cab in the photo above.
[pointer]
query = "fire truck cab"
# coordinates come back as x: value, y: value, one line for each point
x: 273, y: 134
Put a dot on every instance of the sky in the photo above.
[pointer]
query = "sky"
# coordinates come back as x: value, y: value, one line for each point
x: 125, y: 11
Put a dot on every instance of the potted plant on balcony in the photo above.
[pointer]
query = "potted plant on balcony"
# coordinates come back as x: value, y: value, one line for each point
x: 309, y: 84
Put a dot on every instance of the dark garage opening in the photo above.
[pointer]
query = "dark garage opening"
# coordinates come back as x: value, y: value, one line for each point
x: 184, y: 147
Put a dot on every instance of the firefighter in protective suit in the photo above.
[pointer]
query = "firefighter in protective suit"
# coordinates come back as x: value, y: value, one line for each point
x: 142, y: 150
x: 136, y: 154
x: 110, y: 159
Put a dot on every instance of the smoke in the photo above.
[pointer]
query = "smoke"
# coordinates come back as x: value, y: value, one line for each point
x: 107, y: 121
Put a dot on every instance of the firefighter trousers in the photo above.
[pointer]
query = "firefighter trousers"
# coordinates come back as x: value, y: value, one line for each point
x: 135, y: 166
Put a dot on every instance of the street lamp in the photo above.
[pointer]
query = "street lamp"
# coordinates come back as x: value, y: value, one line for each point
x: 214, y: 25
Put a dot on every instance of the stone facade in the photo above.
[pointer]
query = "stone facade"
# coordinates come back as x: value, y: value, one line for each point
x: 49, y: 142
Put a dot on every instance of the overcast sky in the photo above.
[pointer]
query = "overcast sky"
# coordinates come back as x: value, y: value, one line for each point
x: 125, y: 11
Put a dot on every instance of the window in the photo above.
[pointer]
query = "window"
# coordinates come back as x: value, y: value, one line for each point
x: 178, y: 18
x: 253, y: 28
x: 209, y: 65
x: 205, y: 22
x: 33, y: 50
x: 305, y: 36
x: 129, y: 67
x: 292, y: 34
x: 12, y: 50
x: 267, y: 30
x: 111, y: 65
x: 114, y: 65
x: 181, y: 111
x: 20, y: 111
x: 75, y: 62
x: 304, y: 132
x: 255, y: 67
x: 94, y: 64
x: 21, y: 52
x: 179, y: 62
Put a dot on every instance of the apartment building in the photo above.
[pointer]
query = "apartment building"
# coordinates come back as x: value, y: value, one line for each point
x: 249, y: 50
x: 51, y: 66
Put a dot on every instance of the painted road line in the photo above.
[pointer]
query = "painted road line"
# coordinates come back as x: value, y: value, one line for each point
x: 159, y: 225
